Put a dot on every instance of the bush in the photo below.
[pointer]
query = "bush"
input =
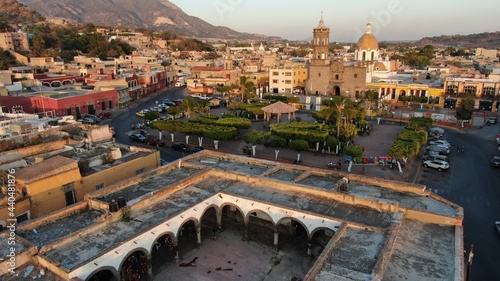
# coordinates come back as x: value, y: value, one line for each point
x: 353, y: 151
x: 275, y: 141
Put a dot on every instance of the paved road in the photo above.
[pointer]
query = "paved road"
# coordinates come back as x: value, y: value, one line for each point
x: 474, y: 185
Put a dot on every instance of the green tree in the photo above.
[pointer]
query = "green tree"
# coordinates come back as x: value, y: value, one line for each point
x: 353, y: 151
x: 255, y: 137
x: 465, y: 107
x: 298, y: 145
x: 151, y: 115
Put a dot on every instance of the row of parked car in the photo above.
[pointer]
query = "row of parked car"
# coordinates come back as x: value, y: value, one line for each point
x: 143, y: 137
x: 95, y: 119
x: 162, y: 107
x: 437, y: 151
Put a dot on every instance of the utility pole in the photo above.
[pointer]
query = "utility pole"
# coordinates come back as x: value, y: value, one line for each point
x: 469, y: 263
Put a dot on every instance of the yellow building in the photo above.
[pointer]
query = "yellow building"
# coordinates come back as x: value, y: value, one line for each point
x: 58, y: 182
x: 391, y: 93
x: 50, y: 184
x: 485, y: 91
x: 285, y: 80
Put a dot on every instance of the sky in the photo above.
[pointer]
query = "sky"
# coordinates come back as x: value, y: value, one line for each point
x: 392, y: 20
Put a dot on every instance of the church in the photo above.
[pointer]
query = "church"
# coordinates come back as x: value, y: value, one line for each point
x: 336, y: 78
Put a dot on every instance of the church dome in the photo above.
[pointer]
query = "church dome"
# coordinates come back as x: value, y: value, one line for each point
x: 368, y: 40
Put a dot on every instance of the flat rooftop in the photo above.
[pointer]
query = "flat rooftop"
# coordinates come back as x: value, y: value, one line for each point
x: 302, y: 189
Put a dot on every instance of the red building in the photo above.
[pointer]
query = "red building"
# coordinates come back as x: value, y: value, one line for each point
x: 60, y: 103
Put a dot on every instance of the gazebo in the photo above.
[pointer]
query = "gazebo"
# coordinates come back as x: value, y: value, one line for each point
x: 278, y: 108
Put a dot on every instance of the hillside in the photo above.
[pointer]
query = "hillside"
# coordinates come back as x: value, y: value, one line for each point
x: 150, y: 14
x: 489, y: 40
x: 14, y: 12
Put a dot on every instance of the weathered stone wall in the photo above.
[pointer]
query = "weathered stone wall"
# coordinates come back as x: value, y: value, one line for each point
x: 16, y: 154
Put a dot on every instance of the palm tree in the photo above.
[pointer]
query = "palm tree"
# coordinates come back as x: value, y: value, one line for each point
x: 339, y: 104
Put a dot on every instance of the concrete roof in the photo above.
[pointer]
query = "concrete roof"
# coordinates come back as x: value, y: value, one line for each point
x: 46, y: 168
x: 355, y: 253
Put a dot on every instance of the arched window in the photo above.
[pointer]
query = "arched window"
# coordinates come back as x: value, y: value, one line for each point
x: 364, y: 56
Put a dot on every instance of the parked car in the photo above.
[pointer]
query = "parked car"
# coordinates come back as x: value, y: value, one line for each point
x: 104, y: 115
x: 495, y: 161
x: 178, y: 101
x: 440, y: 142
x: 436, y: 164
x: 169, y: 102
x: 492, y: 120
x: 435, y: 156
x: 94, y: 117
x: 180, y: 147
x: 439, y: 148
x: 155, y: 142
x: 88, y: 120
x: 137, y: 137
x: 142, y: 112
x: 197, y: 149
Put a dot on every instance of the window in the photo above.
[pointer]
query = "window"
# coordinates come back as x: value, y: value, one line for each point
x: 336, y: 77
x: 99, y: 186
x: 355, y: 76
x: 275, y: 73
x: 70, y: 197
x: 288, y: 74
x: 275, y: 81
x: 470, y: 90
x: 319, y: 74
x: 489, y: 91
x: 288, y: 81
x: 451, y: 89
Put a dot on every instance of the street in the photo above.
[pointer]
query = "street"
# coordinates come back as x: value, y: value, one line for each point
x: 473, y: 184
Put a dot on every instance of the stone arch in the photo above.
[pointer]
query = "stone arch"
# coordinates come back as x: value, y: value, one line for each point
x: 163, y: 250
x: 195, y: 220
x: 336, y: 90
x: 229, y: 204
x: 319, y: 238
x: 125, y: 261
x: 168, y: 232
x: 249, y: 214
x: 210, y: 220
x: 293, y: 219
x: 101, y: 270
x: 261, y: 226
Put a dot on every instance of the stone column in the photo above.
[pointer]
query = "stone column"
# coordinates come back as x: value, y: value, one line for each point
x: 218, y: 213
x: 276, y: 239
x: 198, y: 235
x: 245, y: 232
x: 309, y: 246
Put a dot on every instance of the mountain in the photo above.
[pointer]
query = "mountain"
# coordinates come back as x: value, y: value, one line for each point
x: 14, y: 12
x: 489, y: 40
x: 149, y: 14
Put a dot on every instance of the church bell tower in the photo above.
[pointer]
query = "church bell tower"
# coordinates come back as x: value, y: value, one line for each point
x: 321, y: 43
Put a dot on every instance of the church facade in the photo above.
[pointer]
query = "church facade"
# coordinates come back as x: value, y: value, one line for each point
x: 332, y: 78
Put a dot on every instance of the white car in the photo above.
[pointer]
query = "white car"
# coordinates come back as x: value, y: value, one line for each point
x: 440, y: 142
x: 439, y: 148
x: 437, y: 164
